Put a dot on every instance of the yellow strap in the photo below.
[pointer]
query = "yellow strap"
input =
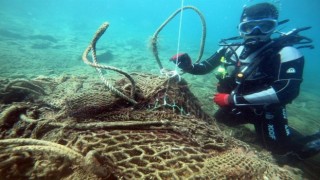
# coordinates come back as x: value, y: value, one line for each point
x: 223, y: 59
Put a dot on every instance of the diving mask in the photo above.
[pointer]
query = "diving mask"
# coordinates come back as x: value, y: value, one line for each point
x: 265, y: 26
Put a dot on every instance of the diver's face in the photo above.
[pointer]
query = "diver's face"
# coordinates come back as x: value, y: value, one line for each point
x: 257, y: 28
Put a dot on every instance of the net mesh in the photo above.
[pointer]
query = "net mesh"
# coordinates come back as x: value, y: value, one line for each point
x: 76, y: 129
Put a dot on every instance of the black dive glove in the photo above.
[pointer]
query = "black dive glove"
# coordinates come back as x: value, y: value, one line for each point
x: 183, y: 61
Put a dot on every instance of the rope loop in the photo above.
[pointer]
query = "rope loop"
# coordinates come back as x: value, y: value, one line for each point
x: 154, y: 39
x: 92, y: 47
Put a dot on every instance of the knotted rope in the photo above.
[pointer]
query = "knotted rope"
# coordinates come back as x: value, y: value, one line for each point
x: 98, y: 67
x: 155, y: 35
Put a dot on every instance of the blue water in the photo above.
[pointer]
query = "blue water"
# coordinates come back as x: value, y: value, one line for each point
x: 39, y: 37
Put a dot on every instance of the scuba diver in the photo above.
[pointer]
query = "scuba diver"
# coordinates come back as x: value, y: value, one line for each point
x: 257, y: 79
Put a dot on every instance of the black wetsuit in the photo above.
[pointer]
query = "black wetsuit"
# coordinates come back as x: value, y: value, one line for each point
x: 261, y: 97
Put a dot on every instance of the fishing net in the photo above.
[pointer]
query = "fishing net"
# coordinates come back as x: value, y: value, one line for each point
x: 71, y: 128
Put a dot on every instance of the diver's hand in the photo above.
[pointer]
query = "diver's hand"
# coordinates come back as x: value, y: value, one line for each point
x: 183, y: 61
x: 223, y: 99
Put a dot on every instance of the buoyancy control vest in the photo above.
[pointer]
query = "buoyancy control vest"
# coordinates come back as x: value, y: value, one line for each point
x: 239, y: 66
